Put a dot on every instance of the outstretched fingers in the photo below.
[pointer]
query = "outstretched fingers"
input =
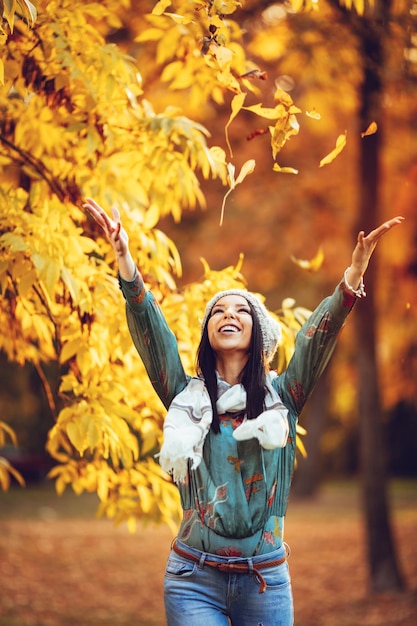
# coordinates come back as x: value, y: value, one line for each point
x: 377, y: 233
x: 110, y: 227
x: 96, y: 212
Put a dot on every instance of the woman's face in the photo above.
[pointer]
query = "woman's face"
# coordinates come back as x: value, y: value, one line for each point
x: 230, y: 324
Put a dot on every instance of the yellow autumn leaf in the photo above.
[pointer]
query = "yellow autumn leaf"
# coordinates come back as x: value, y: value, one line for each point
x: 236, y: 105
x: 160, y: 7
x: 371, y: 130
x: 102, y: 486
x: 223, y: 56
x: 69, y: 280
x: 231, y: 173
x: 225, y: 7
x: 70, y: 349
x: 26, y: 282
x: 29, y: 11
x: 179, y: 19
x: 5, y: 428
x: 151, y: 216
x: 311, y: 265
x: 301, y: 447
x: 340, y: 144
x: 150, y: 34
x: 247, y: 168
x: 50, y: 276
x: 145, y: 498
x: 283, y: 97
x: 266, y: 112
x: 5, y: 471
x: 75, y: 437
x: 284, y: 170
x: 315, y: 115
x: 218, y: 154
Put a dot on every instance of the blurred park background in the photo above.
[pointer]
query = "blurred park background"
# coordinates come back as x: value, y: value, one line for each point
x: 104, y: 99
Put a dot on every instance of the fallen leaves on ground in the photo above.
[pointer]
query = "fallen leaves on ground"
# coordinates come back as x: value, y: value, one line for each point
x: 61, y: 572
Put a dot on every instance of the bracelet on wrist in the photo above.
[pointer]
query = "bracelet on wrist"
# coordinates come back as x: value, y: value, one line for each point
x: 360, y: 291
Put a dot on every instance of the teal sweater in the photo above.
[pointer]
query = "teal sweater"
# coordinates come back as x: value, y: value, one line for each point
x: 234, y: 503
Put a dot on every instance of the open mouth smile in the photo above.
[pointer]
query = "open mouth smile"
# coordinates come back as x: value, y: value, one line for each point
x: 229, y: 328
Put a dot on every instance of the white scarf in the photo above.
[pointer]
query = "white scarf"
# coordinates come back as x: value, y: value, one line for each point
x: 189, y: 418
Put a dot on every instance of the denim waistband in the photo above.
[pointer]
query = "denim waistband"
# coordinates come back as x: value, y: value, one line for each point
x: 235, y: 565
x: 258, y: 558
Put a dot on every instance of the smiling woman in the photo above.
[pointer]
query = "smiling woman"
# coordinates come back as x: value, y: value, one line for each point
x: 230, y: 437
x: 230, y: 329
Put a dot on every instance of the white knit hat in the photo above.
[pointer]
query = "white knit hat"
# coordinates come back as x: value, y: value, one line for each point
x: 270, y: 328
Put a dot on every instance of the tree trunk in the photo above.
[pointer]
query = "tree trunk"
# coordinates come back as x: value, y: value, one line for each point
x: 384, y: 570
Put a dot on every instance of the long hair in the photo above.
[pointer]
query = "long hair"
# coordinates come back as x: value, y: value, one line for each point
x: 252, y: 377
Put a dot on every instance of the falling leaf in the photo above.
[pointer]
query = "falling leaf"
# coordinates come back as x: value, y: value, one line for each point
x: 236, y: 105
x: 312, y: 265
x: 284, y: 170
x: 283, y: 97
x: 247, y: 168
x: 371, y: 130
x: 255, y: 73
x: 231, y: 172
x: 315, y: 115
x: 340, y: 144
x: 267, y: 112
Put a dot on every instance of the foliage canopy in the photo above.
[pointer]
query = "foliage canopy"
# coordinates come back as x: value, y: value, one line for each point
x: 75, y: 122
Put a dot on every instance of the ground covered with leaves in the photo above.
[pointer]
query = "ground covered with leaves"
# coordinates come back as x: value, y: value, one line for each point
x: 59, y: 566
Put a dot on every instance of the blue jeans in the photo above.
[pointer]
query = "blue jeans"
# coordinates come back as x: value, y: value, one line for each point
x: 201, y: 595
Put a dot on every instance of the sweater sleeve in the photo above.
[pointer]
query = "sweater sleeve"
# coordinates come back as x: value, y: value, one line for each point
x: 153, y: 339
x: 314, y: 345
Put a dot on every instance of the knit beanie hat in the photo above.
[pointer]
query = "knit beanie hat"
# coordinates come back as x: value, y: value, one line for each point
x: 270, y: 328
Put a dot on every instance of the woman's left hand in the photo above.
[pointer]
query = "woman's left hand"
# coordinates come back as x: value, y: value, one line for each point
x: 364, y: 249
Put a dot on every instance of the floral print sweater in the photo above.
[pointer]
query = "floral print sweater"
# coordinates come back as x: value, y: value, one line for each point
x: 234, y: 503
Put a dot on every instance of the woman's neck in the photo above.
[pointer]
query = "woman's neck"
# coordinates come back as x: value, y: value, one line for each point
x: 230, y: 369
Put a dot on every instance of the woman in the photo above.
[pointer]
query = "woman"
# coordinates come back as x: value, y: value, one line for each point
x: 229, y: 437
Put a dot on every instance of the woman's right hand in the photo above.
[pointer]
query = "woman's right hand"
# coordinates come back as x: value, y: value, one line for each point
x: 111, y: 227
x: 116, y: 235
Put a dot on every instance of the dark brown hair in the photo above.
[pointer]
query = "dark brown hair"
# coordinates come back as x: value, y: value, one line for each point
x: 252, y: 377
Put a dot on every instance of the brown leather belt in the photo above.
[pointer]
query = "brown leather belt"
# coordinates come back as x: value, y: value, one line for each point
x: 233, y: 568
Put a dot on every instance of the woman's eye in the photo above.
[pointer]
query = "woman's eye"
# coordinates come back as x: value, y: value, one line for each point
x: 239, y: 310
